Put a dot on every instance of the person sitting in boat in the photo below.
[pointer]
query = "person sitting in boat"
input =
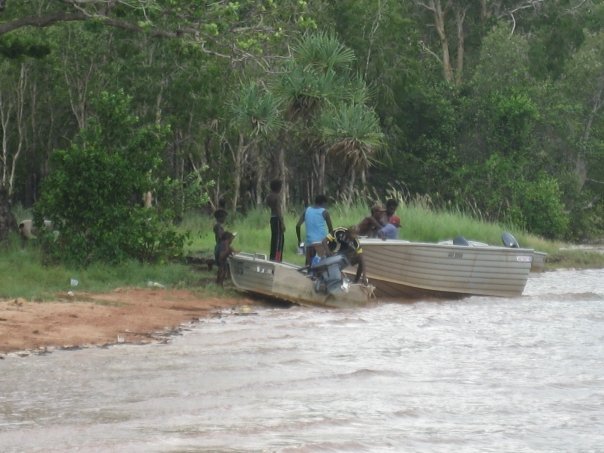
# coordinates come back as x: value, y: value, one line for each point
x: 222, y: 252
x: 391, y: 206
x: 390, y: 231
x: 343, y: 241
x: 371, y: 224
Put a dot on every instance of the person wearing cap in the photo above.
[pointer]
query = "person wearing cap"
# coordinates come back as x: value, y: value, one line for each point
x: 390, y: 230
x: 371, y: 224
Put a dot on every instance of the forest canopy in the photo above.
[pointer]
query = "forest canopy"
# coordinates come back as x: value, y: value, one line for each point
x: 494, y: 107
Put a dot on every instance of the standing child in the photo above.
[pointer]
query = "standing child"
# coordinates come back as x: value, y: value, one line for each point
x: 220, y: 215
x: 221, y: 254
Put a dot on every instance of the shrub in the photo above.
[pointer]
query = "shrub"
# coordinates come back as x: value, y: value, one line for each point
x: 93, y: 193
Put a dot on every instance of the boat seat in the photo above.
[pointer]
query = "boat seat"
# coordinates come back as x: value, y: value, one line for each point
x: 460, y: 240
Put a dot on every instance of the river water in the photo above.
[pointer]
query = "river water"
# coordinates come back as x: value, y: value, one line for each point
x: 472, y: 375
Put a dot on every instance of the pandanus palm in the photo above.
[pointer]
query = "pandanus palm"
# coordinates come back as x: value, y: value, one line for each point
x: 353, y: 135
x: 255, y: 117
x: 317, y: 77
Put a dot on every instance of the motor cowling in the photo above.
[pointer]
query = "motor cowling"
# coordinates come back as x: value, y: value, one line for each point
x: 329, y: 276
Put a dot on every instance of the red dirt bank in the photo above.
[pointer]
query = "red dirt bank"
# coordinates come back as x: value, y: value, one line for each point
x: 124, y: 315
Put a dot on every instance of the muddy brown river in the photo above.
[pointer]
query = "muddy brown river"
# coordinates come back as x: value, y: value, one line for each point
x: 474, y: 375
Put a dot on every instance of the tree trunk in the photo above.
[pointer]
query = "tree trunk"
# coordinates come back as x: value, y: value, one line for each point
x: 8, y: 222
x: 238, y: 159
x: 11, y: 152
x: 439, y: 23
x: 283, y: 176
x: 321, y: 179
x: 78, y: 83
x: 350, y: 192
x: 460, y: 16
x: 259, y: 183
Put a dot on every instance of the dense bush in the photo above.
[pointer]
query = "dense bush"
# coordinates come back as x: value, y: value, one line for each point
x: 93, y: 194
x: 541, y: 208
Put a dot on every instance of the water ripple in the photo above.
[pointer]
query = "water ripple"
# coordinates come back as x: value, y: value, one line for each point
x: 472, y: 375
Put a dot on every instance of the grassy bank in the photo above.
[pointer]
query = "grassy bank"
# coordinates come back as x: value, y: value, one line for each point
x: 418, y: 224
x: 23, y: 274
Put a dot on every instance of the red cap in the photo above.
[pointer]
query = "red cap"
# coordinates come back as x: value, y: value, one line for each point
x: 395, y: 220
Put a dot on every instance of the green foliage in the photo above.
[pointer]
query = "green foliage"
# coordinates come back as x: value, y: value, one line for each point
x: 256, y: 110
x: 540, y: 208
x: 533, y: 203
x: 509, y: 123
x: 94, y: 190
x: 503, y: 64
x: 25, y: 275
x: 188, y: 194
x: 556, y: 37
x: 352, y: 133
x: 15, y: 47
x: 529, y: 90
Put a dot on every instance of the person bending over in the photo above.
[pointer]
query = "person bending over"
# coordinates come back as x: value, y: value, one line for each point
x: 318, y: 225
x: 343, y: 241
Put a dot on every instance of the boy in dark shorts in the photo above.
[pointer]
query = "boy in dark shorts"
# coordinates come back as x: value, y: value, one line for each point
x: 273, y: 201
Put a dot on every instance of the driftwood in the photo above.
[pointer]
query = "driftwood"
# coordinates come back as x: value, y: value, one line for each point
x: 201, y: 260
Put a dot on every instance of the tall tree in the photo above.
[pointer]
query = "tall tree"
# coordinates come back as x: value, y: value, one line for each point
x: 317, y: 79
x: 255, y: 118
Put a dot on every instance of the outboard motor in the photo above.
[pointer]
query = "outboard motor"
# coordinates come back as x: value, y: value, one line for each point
x: 328, y: 271
x: 509, y: 240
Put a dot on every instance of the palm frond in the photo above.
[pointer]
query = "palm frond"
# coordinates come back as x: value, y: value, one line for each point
x: 352, y: 132
x: 256, y: 110
x: 322, y: 52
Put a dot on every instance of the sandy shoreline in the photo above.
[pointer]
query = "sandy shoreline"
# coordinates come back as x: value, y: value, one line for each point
x: 129, y: 315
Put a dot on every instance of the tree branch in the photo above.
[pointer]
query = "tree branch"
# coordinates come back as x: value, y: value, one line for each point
x: 40, y: 21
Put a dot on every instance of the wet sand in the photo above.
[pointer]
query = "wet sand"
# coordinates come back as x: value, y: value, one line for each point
x: 129, y: 315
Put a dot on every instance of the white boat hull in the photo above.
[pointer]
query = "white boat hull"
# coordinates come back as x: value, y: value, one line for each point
x: 400, y: 268
x: 254, y: 273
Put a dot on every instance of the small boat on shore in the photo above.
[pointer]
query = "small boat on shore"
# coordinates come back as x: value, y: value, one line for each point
x: 321, y: 285
x: 537, y: 265
x: 403, y: 269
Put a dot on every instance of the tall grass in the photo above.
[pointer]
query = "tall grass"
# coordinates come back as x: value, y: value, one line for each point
x: 22, y: 273
x: 419, y: 223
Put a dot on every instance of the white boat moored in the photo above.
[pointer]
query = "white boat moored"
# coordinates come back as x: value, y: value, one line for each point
x: 401, y: 268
